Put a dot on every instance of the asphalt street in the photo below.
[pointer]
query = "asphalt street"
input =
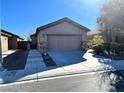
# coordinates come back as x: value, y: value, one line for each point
x: 81, y: 82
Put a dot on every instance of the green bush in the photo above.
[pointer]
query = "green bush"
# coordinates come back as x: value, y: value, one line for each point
x: 97, y: 43
x: 98, y: 48
x: 107, y: 46
x: 119, y: 48
x: 114, y: 47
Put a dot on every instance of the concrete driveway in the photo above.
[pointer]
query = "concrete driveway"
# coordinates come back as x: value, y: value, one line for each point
x: 67, y: 58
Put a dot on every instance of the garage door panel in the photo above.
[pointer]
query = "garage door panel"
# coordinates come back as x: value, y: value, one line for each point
x: 64, y: 42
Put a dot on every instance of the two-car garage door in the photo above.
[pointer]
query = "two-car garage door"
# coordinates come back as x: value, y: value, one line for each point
x: 64, y: 42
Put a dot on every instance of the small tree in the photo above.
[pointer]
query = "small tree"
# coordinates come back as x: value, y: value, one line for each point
x: 97, y: 43
x: 111, y: 18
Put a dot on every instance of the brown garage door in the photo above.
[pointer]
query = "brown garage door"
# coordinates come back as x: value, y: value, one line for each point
x: 64, y: 42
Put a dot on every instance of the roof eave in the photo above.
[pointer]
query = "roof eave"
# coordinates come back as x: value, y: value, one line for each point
x: 9, y: 34
x: 59, y: 21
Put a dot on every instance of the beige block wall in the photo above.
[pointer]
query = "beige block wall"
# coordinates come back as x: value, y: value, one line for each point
x: 64, y: 28
x: 4, y: 42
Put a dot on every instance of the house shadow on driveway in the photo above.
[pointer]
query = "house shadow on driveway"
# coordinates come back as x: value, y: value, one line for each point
x: 16, y: 60
x: 35, y: 67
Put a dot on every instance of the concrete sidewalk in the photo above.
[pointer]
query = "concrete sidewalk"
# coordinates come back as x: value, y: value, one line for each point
x: 36, y: 69
x: 16, y: 60
x: 6, y: 53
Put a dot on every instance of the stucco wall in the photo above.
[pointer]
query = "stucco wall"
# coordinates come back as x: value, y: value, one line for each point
x: 64, y: 28
x: 4, y: 42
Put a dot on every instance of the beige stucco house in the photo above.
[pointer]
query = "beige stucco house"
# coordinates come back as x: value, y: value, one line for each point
x: 9, y: 40
x: 61, y: 35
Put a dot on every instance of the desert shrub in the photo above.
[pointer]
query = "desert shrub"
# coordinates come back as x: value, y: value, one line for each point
x: 119, y: 48
x: 98, y: 48
x: 107, y: 46
x: 97, y: 43
x: 114, y: 47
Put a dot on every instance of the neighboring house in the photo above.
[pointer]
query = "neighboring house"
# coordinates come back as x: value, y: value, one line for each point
x: 9, y: 40
x: 61, y: 35
x: 119, y: 36
x: 92, y: 33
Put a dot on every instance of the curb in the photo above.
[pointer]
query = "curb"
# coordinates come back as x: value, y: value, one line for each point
x: 54, y: 76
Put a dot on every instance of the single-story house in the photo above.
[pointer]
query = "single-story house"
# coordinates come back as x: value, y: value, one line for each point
x: 94, y: 32
x: 61, y: 35
x: 9, y: 40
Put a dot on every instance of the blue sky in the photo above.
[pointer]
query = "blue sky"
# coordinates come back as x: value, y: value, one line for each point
x: 22, y: 17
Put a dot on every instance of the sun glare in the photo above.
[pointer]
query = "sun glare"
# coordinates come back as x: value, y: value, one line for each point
x: 94, y: 0
x: 91, y: 1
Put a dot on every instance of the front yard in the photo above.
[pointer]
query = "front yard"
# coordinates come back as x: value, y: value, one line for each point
x: 68, y: 63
